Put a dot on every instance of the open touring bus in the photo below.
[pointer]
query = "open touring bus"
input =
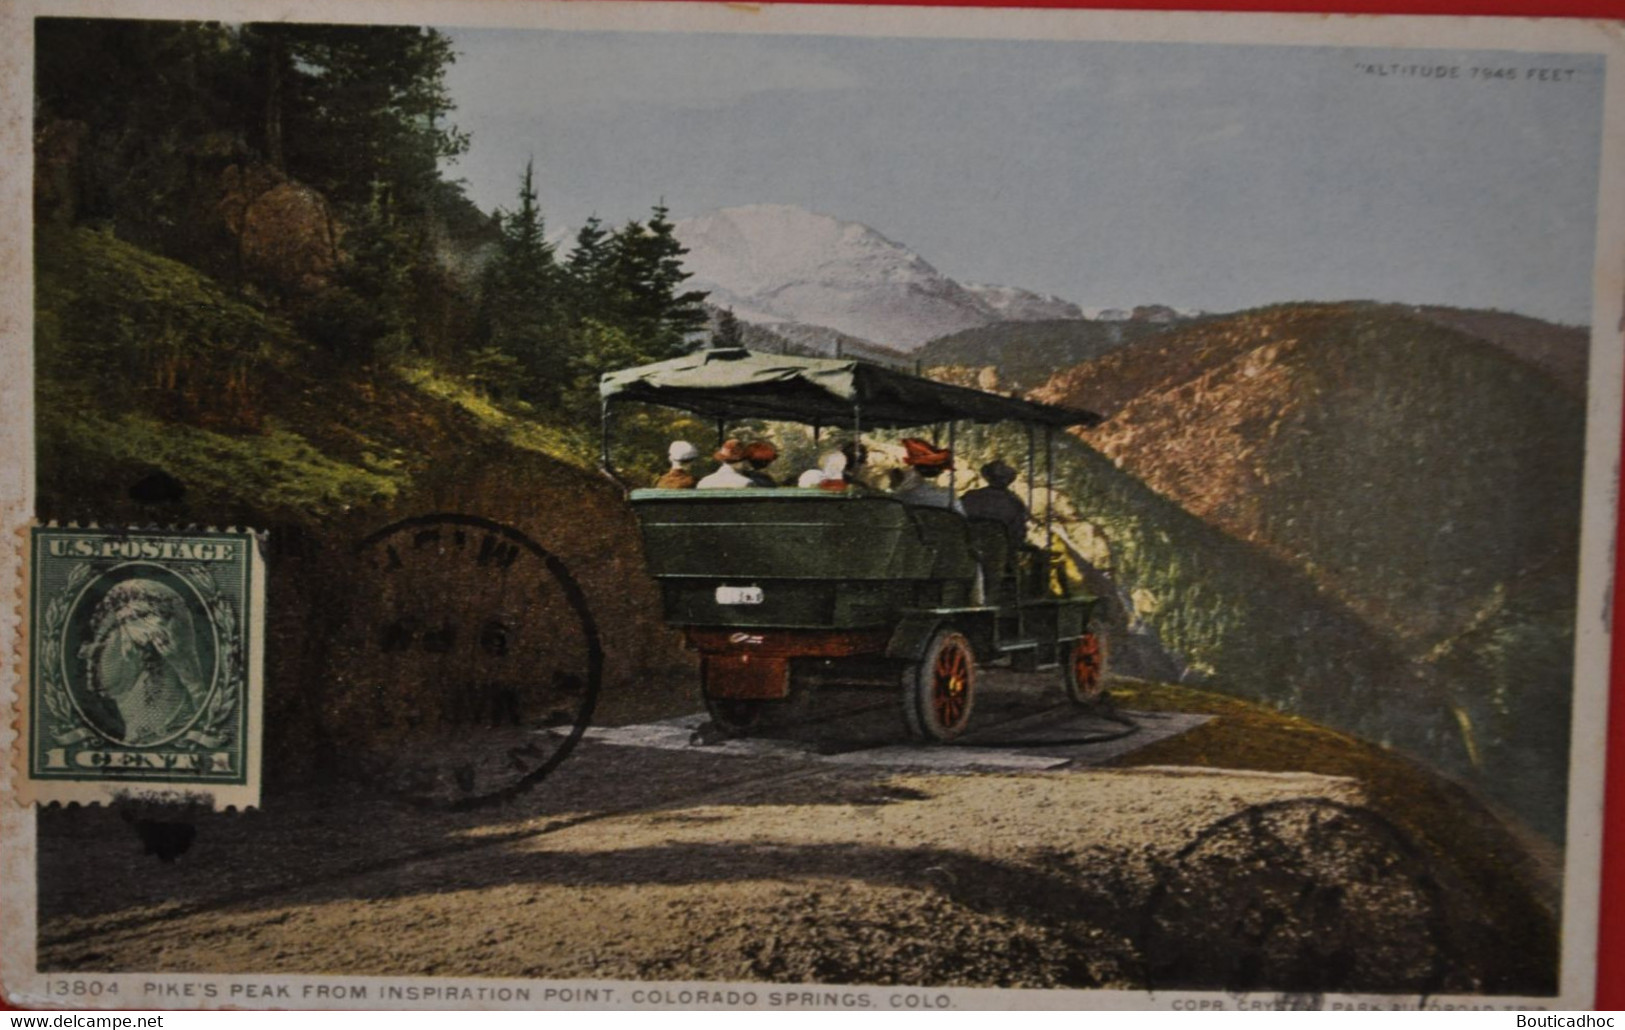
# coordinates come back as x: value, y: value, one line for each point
x: 779, y: 587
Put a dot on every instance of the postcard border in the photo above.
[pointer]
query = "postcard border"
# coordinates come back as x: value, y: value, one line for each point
x: 1599, y: 521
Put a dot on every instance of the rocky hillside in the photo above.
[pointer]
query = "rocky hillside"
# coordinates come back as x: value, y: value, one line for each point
x: 1419, y: 479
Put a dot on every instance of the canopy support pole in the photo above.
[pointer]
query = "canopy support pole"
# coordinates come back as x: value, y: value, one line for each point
x: 603, y: 457
x: 953, y: 466
x: 1049, y: 489
x: 1030, y: 469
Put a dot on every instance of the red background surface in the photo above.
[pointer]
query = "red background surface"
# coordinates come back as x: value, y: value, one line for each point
x: 1611, y: 941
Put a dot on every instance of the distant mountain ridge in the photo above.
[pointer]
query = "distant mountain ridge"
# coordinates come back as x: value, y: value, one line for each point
x: 775, y: 263
x: 1026, y: 354
x: 811, y: 341
x: 1561, y: 351
x: 1014, y: 304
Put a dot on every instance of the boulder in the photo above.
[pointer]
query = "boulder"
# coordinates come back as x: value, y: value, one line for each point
x: 286, y: 232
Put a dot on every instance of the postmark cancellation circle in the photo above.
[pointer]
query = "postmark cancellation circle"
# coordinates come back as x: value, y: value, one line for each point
x: 469, y: 665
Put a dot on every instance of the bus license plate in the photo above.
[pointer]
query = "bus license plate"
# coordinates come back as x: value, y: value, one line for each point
x: 739, y: 595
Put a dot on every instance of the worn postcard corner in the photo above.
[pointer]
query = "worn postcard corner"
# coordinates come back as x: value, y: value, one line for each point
x: 789, y: 507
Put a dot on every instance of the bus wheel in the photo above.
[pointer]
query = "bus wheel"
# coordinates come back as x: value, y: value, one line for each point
x: 939, y: 690
x: 733, y: 716
x: 1083, y: 669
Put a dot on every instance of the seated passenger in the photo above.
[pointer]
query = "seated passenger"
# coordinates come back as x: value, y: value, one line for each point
x: 919, y: 486
x: 731, y: 476
x: 837, y: 472
x: 760, y: 454
x: 681, y: 454
x: 995, y: 500
x: 858, y: 473
x: 829, y: 475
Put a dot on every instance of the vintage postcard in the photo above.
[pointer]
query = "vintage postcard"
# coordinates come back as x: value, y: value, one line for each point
x: 804, y: 506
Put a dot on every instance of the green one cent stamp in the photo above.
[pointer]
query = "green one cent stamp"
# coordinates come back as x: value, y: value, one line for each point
x: 145, y: 655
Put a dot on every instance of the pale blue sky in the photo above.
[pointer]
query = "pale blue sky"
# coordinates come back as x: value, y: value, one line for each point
x: 1112, y: 174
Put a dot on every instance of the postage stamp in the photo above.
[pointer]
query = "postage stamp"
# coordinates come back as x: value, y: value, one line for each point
x: 145, y: 655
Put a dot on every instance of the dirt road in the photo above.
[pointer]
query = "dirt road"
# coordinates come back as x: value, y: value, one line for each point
x: 832, y: 854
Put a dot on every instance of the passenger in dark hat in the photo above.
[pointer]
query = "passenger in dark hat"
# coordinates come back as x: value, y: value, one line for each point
x: 996, y: 501
x: 857, y: 474
x: 926, y: 462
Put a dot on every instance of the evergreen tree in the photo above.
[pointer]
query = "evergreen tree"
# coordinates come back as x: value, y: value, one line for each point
x: 154, y: 102
x: 647, y: 273
x: 381, y: 250
x: 683, y: 313
x: 345, y: 108
x: 520, y: 302
x: 591, y: 268
x: 728, y: 333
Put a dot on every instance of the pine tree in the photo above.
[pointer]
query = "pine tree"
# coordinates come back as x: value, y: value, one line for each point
x: 381, y: 249
x: 590, y: 268
x: 520, y: 304
x: 683, y: 313
x: 646, y: 274
x: 525, y: 244
x: 728, y: 333
x: 345, y: 108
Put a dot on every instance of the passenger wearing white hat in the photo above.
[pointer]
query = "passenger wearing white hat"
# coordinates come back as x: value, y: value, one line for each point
x: 678, y: 477
x: 829, y: 475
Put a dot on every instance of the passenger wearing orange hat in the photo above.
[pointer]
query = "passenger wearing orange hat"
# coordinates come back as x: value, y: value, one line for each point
x: 919, y: 486
x: 731, y: 476
x: 760, y: 454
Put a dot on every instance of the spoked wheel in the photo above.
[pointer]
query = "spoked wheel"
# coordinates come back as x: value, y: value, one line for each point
x: 733, y: 716
x: 1083, y: 669
x: 939, y: 691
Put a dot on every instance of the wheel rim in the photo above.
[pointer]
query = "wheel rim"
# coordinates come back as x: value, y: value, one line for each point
x: 950, y: 685
x: 1086, y: 665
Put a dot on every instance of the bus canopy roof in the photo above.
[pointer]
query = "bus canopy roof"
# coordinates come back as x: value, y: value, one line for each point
x: 737, y: 383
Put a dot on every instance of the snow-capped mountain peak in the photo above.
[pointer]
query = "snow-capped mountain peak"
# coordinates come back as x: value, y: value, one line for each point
x: 779, y: 263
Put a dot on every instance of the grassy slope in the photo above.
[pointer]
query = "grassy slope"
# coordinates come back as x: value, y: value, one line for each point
x: 260, y: 430
x: 1414, y: 477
